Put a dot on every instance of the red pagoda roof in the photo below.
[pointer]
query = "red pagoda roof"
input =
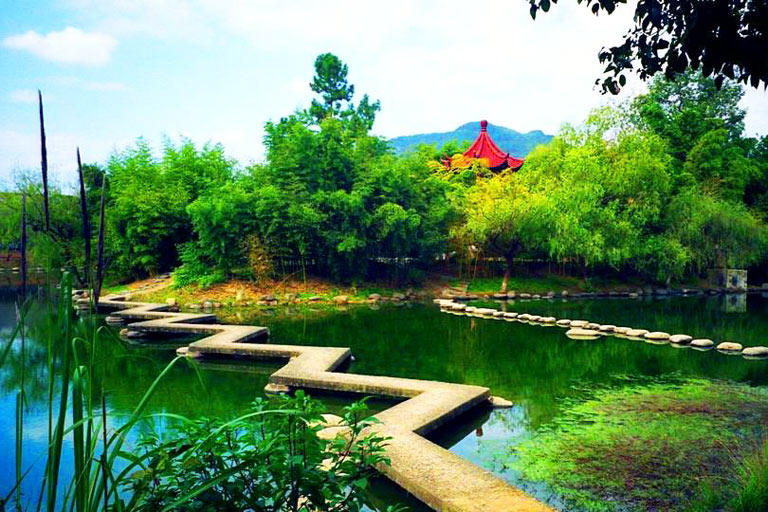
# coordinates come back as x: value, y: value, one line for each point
x: 485, y: 148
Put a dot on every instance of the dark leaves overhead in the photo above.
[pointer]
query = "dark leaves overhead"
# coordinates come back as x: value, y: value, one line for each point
x: 723, y: 38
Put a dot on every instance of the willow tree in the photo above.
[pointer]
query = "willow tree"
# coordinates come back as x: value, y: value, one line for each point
x: 503, y: 217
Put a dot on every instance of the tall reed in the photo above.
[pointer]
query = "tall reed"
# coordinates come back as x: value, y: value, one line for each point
x: 44, y: 163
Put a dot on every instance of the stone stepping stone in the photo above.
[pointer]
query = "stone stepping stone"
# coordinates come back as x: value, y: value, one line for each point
x: 593, y: 326
x: 485, y: 311
x: 524, y: 317
x: 637, y: 333
x: 657, y: 336
x: 510, y: 315
x: 563, y: 322
x: 548, y: 320
x: 755, y: 352
x: 534, y: 318
x: 498, y: 313
x: 579, y: 323
x: 680, y: 339
x: 702, y: 344
x: 582, y: 334
x: 621, y: 330
x: 608, y: 328
x: 730, y: 347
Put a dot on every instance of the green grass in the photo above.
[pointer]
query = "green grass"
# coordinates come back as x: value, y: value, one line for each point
x: 654, y: 446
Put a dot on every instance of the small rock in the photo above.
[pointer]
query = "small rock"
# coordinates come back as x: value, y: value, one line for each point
x: 485, y: 311
x: 193, y: 306
x: 607, y: 328
x: 582, y: 334
x: 656, y: 336
x: 729, y: 346
x: 563, y: 322
x: 525, y: 295
x: 374, y: 297
x: 396, y: 297
x: 755, y: 352
x: 534, y: 318
x: 314, y: 298
x: 593, y: 326
x: 500, y: 403
x: 637, y: 333
x: 681, y: 339
x: 510, y: 315
x: 535, y: 296
x: 207, y: 304
x: 547, y: 320
x: 579, y: 323
x: 621, y: 330
x: 564, y: 293
x: 702, y: 343
x: 341, y: 299
x: 524, y: 317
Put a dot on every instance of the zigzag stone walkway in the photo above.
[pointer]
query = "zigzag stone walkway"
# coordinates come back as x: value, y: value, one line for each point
x: 436, y: 476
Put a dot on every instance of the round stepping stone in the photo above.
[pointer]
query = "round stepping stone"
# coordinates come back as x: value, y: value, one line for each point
x: 563, y: 322
x: 582, y: 334
x: 547, y: 320
x: 534, y: 318
x: 470, y: 309
x: 607, y: 328
x: 524, y: 317
x: 621, y: 330
x: 657, y: 336
x: 579, y: 323
x: 702, y: 344
x: 458, y: 307
x: 681, y: 339
x: 729, y: 347
x: 498, y: 313
x: 485, y: 311
x: 637, y: 333
x: 593, y: 326
x: 510, y: 315
x: 755, y: 352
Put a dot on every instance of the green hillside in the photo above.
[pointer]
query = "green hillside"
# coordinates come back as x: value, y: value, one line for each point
x: 516, y: 143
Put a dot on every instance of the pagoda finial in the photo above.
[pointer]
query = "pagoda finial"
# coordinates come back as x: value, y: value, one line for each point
x: 483, y: 125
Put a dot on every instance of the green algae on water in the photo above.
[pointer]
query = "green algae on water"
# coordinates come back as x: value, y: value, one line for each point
x: 645, y: 446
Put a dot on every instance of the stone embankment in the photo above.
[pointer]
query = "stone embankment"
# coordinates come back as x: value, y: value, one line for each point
x: 436, y: 476
x: 586, y: 330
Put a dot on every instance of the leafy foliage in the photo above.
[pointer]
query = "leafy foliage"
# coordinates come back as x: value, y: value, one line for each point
x: 271, y: 459
x: 722, y: 38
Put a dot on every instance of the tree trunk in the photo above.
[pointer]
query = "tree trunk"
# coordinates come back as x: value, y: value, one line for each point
x: 507, y: 272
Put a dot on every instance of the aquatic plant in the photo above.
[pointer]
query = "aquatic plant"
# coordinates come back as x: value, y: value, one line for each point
x: 647, y: 446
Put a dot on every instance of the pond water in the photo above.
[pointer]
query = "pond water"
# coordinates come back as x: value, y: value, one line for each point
x: 535, y: 367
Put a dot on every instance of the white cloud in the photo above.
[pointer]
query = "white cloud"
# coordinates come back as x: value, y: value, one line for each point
x: 69, y: 46
x: 24, y: 96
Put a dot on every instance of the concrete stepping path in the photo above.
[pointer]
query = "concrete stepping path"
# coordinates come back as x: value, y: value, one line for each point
x: 439, y: 478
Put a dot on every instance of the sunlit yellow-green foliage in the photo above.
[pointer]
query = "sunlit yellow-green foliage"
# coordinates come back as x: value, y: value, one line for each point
x: 613, y: 193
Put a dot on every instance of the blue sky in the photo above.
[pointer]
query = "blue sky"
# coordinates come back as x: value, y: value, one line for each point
x: 217, y: 70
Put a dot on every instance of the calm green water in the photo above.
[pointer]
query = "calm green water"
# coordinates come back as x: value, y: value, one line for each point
x: 536, y: 367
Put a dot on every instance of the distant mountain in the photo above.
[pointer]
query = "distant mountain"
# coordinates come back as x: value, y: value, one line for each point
x: 516, y: 143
